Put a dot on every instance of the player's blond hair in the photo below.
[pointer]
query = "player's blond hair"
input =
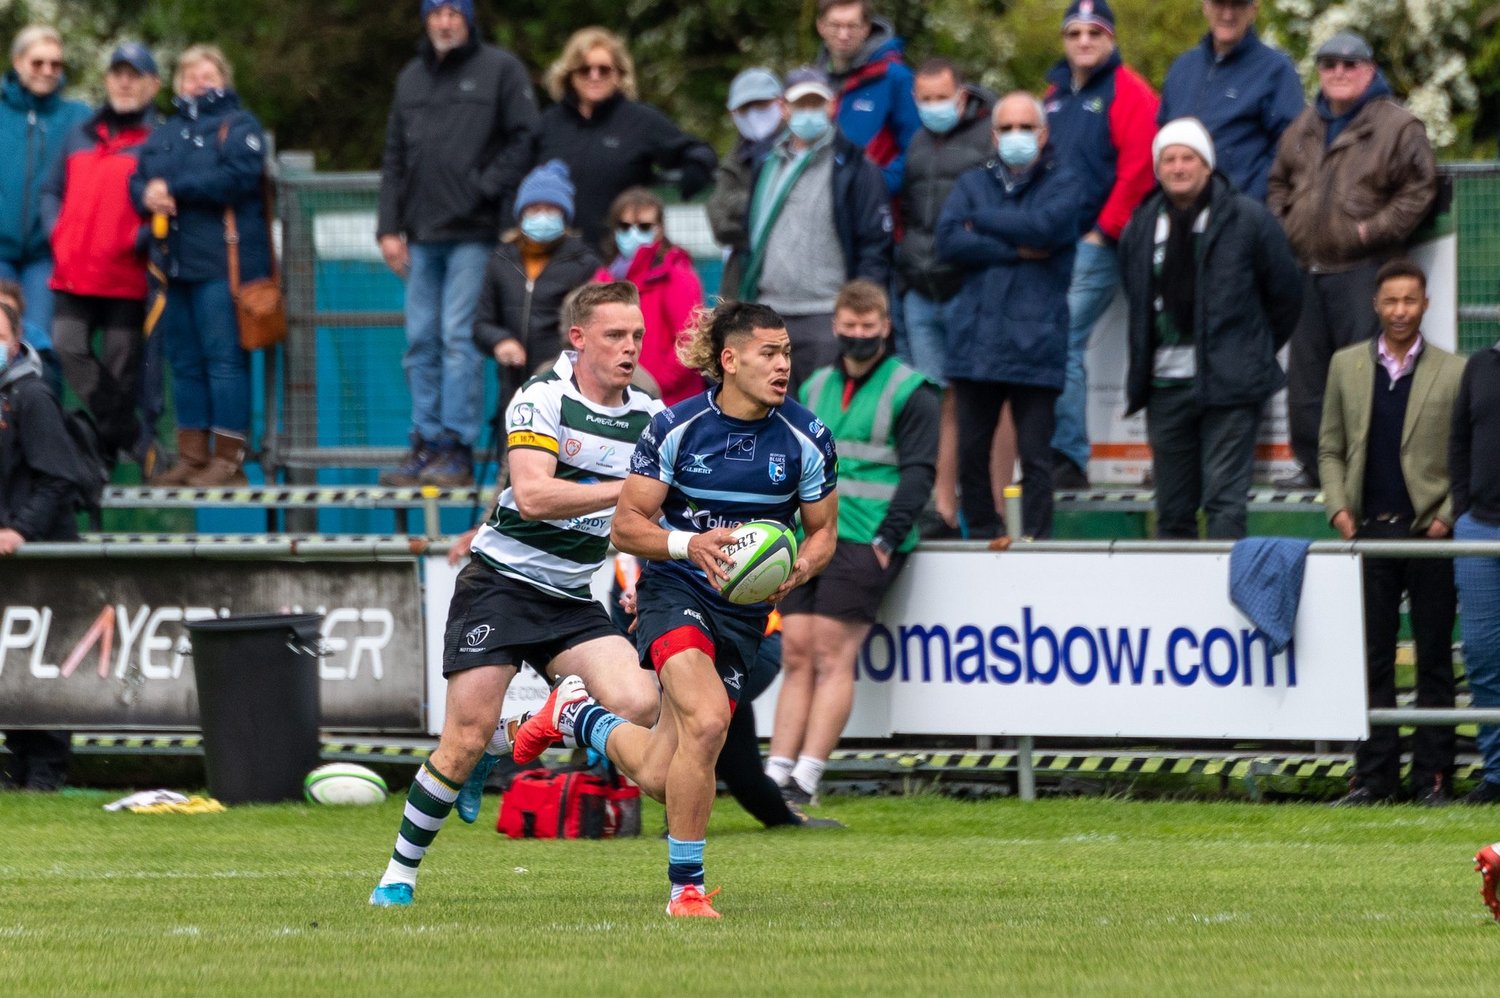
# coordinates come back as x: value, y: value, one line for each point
x: 701, y: 344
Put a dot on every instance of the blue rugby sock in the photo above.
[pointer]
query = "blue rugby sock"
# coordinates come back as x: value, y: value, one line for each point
x: 684, y: 864
x: 593, y: 725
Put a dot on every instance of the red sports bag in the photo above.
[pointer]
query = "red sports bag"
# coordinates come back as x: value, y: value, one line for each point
x: 568, y: 804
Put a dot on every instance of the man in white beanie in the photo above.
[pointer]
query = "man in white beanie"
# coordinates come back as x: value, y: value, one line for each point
x: 1214, y: 291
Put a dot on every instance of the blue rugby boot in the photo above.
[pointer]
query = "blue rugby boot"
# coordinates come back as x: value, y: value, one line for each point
x: 471, y: 797
x: 396, y: 895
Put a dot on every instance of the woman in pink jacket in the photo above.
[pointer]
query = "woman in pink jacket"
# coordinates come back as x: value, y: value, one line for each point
x: 669, y: 286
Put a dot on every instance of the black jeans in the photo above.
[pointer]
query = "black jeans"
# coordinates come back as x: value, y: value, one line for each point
x: 107, y: 382
x: 1337, y: 310
x: 1428, y: 585
x: 1200, y: 456
x: 1032, y: 407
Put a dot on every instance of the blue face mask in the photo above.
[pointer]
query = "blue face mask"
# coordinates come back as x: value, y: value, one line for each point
x: 1017, y: 149
x: 940, y: 116
x: 630, y: 241
x: 543, y: 226
x: 809, y: 126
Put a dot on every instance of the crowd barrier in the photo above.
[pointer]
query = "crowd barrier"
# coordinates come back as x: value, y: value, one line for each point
x: 1050, y: 639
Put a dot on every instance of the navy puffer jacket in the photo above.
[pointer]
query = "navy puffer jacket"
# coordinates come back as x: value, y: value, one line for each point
x: 206, y: 174
x: 1009, y: 321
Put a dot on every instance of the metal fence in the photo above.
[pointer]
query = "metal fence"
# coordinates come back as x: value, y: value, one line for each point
x: 343, y: 401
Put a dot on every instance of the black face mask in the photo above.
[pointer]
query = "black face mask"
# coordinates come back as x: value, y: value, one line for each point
x: 861, y: 347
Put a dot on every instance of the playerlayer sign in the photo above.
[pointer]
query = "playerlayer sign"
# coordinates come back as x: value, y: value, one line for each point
x: 102, y: 644
x: 1106, y: 645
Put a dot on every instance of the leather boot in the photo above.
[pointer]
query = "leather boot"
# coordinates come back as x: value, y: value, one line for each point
x: 227, y: 468
x: 192, y: 458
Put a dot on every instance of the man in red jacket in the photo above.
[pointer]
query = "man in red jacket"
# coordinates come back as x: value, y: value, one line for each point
x: 1101, y: 115
x: 99, y: 276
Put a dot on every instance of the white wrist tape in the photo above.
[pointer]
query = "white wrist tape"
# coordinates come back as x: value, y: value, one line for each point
x: 677, y: 544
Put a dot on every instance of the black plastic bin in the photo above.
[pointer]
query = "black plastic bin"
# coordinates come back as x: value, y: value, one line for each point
x: 257, y: 678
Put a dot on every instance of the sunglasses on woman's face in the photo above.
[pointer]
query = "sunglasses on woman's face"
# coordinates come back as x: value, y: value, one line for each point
x: 595, y: 70
x: 53, y: 64
x: 640, y: 228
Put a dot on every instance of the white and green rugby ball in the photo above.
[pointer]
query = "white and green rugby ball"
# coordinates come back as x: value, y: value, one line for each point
x: 344, y: 783
x: 763, y: 553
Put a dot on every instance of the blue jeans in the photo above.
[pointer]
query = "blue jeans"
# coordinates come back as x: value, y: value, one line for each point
x: 926, y: 335
x: 33, y: 276
x: 210, y: 370
x: 1479, y: 625
x: 444, y: 369
x: 1096, y: 272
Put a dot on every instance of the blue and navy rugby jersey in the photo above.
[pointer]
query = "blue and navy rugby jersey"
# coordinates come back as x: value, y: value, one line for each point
x: 723, y: 471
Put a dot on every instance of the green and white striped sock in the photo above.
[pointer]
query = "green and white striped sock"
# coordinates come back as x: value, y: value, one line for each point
x: 428, y: 804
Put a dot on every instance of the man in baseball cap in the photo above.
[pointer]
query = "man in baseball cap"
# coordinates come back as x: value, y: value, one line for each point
x: 1358, y: 141
x: 755, y: 105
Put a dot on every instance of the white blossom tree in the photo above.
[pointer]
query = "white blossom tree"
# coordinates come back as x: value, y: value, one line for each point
x: 1422, y: 47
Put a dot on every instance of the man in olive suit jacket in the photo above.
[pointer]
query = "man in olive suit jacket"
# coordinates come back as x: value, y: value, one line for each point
x: 1383, y: 460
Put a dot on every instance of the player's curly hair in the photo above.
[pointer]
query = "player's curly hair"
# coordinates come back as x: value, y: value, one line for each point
x: 702, y: 342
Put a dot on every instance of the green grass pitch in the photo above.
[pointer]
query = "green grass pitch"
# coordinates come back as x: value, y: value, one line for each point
x: 923, y: 895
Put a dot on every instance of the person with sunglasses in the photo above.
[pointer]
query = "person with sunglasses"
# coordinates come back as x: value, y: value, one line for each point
x: 1354, y: 177
x: 35, y: 120
x: 639, y: 252
x: 1102, y: 116
x: 610, y: 140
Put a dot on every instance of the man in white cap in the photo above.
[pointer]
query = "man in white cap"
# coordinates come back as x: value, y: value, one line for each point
x: 1214, y: 292
x: 1354, y: 176
x: 819, y: 216
x: 754, y: 105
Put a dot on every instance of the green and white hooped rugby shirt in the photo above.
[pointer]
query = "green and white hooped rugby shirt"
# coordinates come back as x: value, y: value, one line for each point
x: 592, y: 443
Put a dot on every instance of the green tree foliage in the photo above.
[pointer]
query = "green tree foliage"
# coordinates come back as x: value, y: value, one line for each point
x: 1150, y: 34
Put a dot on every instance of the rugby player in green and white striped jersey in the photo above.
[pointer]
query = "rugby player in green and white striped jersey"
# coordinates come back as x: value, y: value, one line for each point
x: 524, y: 596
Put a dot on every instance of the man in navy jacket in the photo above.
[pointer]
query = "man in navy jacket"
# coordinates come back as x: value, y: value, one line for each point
x: 1011, y: 225
x: 1243, y: 91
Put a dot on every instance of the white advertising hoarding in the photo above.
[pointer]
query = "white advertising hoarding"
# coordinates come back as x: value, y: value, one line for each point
x: 1104, y: 645
x: 1073, y: 645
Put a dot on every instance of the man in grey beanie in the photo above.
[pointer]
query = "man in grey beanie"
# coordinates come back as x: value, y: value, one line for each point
x: 456, y: 147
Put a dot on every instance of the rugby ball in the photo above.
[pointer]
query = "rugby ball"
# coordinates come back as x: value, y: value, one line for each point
x: 763, y: 553
x: 344, y: 783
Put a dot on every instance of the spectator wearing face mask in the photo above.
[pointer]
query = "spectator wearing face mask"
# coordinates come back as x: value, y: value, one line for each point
x: 529, y: 274
x: 954, y: 138
x: 1012, y: 226
x: 669, y: 287
x: 819, y: 217
x: 754, y: 105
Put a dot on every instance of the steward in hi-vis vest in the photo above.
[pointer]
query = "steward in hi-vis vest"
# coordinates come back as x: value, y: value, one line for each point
x: 884, y: 419
x: 862, y: 413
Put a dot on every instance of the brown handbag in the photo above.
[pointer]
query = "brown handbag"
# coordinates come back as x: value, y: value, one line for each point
x: 258, y: 304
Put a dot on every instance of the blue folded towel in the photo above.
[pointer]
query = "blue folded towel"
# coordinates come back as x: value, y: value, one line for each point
x: 1265, y: 583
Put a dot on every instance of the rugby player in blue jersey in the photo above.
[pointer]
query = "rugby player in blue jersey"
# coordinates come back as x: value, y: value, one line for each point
x: 741, y: 451
x: 524, y: 597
